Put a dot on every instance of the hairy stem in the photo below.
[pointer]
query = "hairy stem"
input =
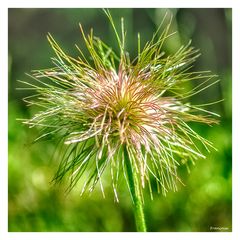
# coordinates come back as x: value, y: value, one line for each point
x: 135, y: 192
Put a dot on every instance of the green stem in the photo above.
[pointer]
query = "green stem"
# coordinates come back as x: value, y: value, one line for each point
x: 135, y: 192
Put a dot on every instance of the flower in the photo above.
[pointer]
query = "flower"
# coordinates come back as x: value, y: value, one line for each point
x: 115, y: 103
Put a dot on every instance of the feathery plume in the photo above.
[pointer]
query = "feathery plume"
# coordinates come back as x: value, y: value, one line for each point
x: 114, y: 111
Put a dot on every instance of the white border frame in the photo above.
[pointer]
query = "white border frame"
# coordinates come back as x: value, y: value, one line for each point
x: 4, y: 234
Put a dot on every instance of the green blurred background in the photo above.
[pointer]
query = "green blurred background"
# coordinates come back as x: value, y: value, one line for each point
x: 35, y: 204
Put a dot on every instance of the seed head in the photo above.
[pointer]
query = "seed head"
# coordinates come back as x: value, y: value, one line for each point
x: 100, y: 106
